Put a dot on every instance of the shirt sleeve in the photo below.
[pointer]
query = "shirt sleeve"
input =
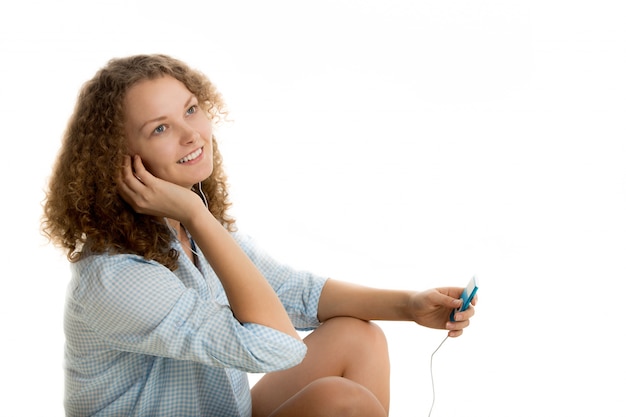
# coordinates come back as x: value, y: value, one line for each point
x: 299, y: 291
x: 140, y: 306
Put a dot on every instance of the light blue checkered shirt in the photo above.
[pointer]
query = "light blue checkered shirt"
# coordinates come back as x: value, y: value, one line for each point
x: 142, y: 340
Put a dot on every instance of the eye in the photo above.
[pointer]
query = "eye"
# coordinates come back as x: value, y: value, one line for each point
x: 159, y: 129
x: 193, y: 109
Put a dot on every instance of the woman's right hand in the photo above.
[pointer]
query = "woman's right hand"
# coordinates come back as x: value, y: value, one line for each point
x: 150, y: 195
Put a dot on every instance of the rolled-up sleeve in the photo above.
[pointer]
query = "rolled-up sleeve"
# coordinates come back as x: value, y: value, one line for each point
x: 298, y: 290
x: 134, y: 305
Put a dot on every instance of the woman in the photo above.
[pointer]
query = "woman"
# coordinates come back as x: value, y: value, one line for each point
x: 169, y: 306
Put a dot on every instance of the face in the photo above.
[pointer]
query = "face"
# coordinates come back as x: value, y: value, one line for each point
x: 169, y: 131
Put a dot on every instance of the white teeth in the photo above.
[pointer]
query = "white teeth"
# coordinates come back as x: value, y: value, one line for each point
x: 191, y: 156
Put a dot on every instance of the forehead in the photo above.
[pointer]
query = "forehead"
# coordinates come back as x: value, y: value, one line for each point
x: 155, y: 98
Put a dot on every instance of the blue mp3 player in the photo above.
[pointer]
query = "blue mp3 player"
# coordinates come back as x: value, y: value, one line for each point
x: 468, y: 294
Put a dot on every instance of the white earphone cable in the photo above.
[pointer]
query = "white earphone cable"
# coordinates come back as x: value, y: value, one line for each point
x: 432, y: 379
x: 204, y: 200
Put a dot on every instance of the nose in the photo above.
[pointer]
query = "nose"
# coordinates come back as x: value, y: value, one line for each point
x: 188, y: 135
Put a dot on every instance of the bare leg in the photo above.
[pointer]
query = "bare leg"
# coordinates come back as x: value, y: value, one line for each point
x: 332, y: 396
x: 346, y: 370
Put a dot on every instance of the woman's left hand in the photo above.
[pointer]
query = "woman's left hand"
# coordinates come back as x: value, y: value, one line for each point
x: 432, y: 309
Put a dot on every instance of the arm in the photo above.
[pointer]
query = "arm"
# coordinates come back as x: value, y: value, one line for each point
x: 140, y: 306
x: 298, y: 290
x: 251, y: 298
x: 429, y: 308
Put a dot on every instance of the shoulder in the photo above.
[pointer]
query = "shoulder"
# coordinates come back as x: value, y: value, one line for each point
x: 120, y: 273
x: 113, y: 263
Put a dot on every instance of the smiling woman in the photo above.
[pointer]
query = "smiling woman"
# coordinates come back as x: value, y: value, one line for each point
x: 149, y: 332
x: 83, y: 200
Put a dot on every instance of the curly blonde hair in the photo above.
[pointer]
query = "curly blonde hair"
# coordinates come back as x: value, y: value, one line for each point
x: 83, y: 209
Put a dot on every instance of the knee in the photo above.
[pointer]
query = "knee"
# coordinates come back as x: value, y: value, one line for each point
x: 360, y: 333
x: 373, y: 333
x: 341, y: 397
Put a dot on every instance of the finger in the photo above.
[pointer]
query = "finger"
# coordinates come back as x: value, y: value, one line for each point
x: 134, y: 173
x: 474, y: 300
x: 127, y: 172
x: 450, y: 301
x: 464, y: 315
x: 453, y: 294
x: 139, y: 170
x: 125, y: 178
x: 128, y: 184
x: 455, y: 333
x: 457, y: 326
x: 126, y: 165
x: 127, y: 169
x: 468, y: 312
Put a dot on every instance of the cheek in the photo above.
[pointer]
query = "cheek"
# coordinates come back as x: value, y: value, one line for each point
x: 150, y: 156
x: 130, y: 147
x: 135, y: 148
x: 208, y: 134
x: 151, y: 161
x: 204, y: 126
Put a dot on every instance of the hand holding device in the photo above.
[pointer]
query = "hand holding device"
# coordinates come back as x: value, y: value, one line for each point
x: 468, y: 294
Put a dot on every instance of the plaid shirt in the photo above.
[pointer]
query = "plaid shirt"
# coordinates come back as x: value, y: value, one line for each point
x: 142, y: 340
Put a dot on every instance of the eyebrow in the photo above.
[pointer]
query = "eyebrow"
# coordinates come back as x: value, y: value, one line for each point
x: 158, y: 119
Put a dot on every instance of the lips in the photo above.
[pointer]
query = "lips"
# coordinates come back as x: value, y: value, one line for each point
x: 191, y: 156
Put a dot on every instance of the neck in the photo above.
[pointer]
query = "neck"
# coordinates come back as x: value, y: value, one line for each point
x: 182, y: 237
x: 175, y: 225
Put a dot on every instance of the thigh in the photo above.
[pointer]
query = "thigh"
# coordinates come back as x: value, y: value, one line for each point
x: 341, y: 347
x: 331, y: 396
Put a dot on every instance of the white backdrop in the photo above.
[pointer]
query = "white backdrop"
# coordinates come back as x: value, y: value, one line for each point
x: 391, y: 143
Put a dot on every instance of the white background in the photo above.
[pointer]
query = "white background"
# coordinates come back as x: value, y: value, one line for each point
x: 395, y: 144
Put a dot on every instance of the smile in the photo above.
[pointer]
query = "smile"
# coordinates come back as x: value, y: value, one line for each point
x: 191, y: 156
